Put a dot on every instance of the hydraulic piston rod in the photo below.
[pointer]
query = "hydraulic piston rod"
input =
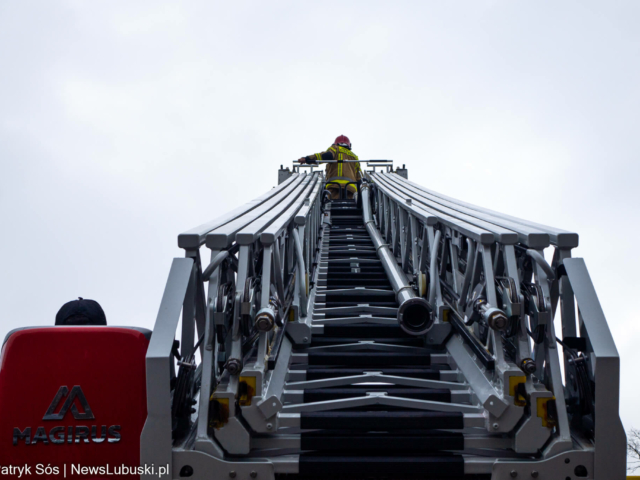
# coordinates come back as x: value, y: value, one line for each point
x: 415, y: 314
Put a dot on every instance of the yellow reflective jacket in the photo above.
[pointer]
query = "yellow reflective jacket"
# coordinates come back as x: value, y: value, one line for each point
x: 341, y: 173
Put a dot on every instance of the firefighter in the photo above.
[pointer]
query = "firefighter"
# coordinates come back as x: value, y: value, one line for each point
x: 338, y: 173
x: 81, y: 312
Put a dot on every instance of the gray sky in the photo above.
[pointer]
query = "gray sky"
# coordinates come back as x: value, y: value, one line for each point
x: 124, y: 123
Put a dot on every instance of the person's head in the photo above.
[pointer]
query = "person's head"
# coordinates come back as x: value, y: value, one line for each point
x: 81, y: 312
x: 343, y: 141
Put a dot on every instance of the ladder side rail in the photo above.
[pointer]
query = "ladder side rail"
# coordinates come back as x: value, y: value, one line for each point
x: 156, y: 437
x: 286, y: 263
x: 399, y: 200
x: 508, y: 232
x: 196, y: 237
x: 224, y: 236
x: 403, y: 200
x: 561, y: 238
x: 602, y: 354
x: 462, y: 260
x: 434, y: 242
x: 269, y: 264
x: 280, y: 215
x: 453, y: 231
x: 278, y: 225
x: 494, y: 342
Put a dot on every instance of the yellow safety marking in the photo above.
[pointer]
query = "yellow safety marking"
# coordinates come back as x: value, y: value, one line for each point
x: 338, y: 180
x: 292, y: 316
x: 445, y: 315
x: 514, y: 381
x: 218, y: 412
x: 248, y: 391
x: 543, y: 413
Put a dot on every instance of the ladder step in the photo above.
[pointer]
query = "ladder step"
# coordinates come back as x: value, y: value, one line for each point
x: 368, y: 358
x: 382, y: 421
x: 323, y: 394
x: 380, y: 442
x: 357, y: 279
x: 365, y: 332
x: 318, y: 341
x: 357, y: 315
x: 354, y: 240
x: 315, y: 373
x: 359, y: 301
x: 449, y: 466
x: 377, y: 285
x: 357, y: 295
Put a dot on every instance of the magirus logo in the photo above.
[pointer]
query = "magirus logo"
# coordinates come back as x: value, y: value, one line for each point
x: 69, y: 434
x: 76, y: 392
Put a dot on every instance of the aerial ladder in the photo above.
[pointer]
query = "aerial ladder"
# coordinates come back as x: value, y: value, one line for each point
x: 399, y: 334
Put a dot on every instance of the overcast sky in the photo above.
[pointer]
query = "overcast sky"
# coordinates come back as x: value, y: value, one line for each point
x: 124, y: 123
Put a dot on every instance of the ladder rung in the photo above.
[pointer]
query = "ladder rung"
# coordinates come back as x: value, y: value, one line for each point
x: 382, y: 421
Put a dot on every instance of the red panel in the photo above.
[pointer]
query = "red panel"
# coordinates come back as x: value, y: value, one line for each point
x: 107, y: 363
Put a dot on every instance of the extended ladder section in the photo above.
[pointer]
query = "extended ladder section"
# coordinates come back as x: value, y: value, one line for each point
x: 400, y: 334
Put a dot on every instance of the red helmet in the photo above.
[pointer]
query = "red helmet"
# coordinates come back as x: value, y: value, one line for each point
x: 343, y: 141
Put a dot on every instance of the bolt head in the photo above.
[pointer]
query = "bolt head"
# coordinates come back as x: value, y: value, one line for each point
x: 305, y: 340
x: 534, y: 474
x: 269, y: 426
x: 496, y: 426
x: 528, y: 366
x: 234, y: 366
x: 497, y: 320
x: 264, y: 323
x: 253, y: 474
x: 514, y: 474
x: 232, y: 474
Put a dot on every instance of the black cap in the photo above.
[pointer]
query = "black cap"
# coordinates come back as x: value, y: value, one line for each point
x: 81, y: 312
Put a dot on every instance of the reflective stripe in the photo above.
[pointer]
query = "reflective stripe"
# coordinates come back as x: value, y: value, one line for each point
x: 339, y: 156
x: 332, y: 184
x: 348, y: 152
x: 318, y: 156
x: 340, y: 179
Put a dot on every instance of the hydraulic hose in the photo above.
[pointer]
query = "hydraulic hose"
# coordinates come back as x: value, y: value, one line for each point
x: 415, y: 314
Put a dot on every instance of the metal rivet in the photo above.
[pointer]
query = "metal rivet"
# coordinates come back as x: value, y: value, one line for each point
x: 232, y: 474
x: 534, y: 474
x: 514, y: 474
x: 305, y: 339
x: 253, y: 474
x: 496, y: 426
x: 269, y: 426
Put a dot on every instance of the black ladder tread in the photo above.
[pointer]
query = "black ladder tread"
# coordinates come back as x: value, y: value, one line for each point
x: 315, y: 373
x: 333, y: 393
x: 382, y: 420
x: 436, y: 466
x: 368, y: 358
x: 404, y: 442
